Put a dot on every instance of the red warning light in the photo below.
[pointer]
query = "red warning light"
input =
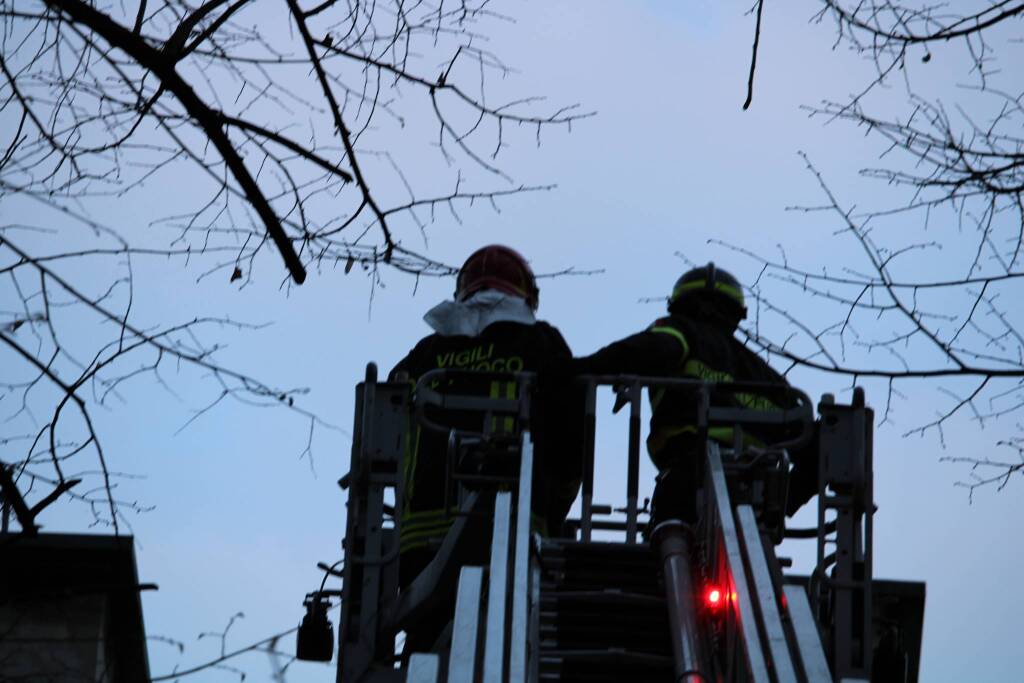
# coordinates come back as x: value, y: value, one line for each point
x: 714, y: 598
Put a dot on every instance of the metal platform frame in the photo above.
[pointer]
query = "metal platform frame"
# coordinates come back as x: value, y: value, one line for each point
x: 775, y: 628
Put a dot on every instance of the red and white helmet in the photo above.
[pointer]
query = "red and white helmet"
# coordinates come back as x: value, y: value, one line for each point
x: 497, y: 267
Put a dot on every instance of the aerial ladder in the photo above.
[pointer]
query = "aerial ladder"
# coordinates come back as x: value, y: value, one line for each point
x: 610, y: 599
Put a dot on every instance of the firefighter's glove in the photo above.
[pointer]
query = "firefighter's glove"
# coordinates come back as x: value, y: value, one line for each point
x: 622, y: 397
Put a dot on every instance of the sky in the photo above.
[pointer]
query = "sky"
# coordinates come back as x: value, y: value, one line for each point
x: 241, y: 514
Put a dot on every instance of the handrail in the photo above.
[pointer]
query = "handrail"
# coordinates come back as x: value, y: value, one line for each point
x: 802, y: 414
x: 422, y: 594
x: 707, y: 415
x: 424, y: 394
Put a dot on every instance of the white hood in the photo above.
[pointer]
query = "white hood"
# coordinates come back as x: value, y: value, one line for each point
x: 470, y: 317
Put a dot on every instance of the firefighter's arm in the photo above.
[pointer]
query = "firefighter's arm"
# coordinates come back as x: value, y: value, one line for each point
x: 412, y: 364
x: 558, y: 347
x: 659, y: 350
x: 401, y: 368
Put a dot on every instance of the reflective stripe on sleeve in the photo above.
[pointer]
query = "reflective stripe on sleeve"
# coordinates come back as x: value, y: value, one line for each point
x: 664, y: 329
x: 724, y: 435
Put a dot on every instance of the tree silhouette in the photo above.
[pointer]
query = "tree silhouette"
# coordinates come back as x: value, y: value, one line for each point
x: 326, y: 134
x: 931, y: 285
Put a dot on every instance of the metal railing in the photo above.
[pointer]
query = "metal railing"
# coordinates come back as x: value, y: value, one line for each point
x: 491, y: 627
x: 494, y: 648
x: 496, y: 606
x: 629, y: 389
x: 495, y: 632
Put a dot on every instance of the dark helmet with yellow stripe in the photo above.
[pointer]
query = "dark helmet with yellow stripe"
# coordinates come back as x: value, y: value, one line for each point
x: 709, y: 285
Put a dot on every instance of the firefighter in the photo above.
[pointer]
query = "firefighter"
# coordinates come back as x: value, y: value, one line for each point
x: 490, y: 326
x: 695, y: 340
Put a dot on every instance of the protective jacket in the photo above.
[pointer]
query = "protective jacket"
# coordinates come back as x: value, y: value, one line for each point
x: 676, y: 346
x: 679, y: 346
x: 502, y: 346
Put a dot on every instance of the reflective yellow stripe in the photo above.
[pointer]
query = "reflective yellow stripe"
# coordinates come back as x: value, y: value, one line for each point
x: 423, y: 514
x: 495, y: 393
x: 421, y: 537
x: 510, y: 393
x: 436, y: 530
x: 411, y: 544
x: 696, y: 368
x: 699, y: 370
x: 728, y: 290
x: 410, y: 455
x: 508, y: 423
x: 420, y: 526
x: 664, y: 329
x: 657, y: 440
x: 756, y: 402
x: 424, y: 517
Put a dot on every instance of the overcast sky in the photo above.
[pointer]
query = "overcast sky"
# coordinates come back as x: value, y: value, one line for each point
x: 669, y: 162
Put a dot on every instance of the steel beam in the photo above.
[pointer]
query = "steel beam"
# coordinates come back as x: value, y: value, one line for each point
x: 497, y: 591
x: 521, y: 566
x: 764, y: 594
x: 465, y: 632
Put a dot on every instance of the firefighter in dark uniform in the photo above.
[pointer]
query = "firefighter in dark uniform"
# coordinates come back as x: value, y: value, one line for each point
x: 490, y: 326
x: 696, y: 340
